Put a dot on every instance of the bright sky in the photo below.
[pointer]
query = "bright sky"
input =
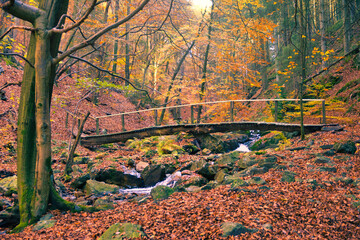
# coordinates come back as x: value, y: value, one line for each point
x: 201, y: 4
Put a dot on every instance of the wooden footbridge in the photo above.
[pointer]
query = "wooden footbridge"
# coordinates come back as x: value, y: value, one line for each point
x: 201, y: 128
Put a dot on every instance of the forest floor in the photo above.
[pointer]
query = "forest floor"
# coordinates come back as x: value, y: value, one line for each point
x: 318, y: 205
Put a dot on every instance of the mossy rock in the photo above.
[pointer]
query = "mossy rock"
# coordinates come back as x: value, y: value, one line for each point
x: 161, y: 192
x: 327, y: 169
x: 345, y: 147
x: 220, y: 176
x: 273, y: 141
x: 288, y: 176
x: 229, y: 159
x: 44, y: 224
x: 123, y: 231
x: 9, y: 183
x: 256, y: 181
x: 234, y: 229
x: 95, y: 187
x: 235, y: 181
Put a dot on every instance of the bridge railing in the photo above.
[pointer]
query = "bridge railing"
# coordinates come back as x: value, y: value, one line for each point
x: 192, y: 110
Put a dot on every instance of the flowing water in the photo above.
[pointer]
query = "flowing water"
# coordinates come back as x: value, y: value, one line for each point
x: 170, y: 181
x: 253, y: 137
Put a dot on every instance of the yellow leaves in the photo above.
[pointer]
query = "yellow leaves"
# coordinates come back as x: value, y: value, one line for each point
x: 303, y: 36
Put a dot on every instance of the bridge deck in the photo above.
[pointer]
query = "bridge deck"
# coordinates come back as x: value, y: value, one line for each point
x: 196, y: 129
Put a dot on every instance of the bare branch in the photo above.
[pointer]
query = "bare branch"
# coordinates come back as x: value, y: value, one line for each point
x: 9, y: 84
x: 20, y: 56
x: 97, y: 35
x: 353, y: 52
x: 16, y: 27
x: 110, y: 73
x: 7, y: 4
x: 21, y: 10
x: 77, y: 24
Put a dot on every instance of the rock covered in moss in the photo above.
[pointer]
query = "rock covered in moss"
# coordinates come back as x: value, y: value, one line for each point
x: 161, y: 192
x: 234, y: 229
x: 97, y: 188
x: 288, y: 176
x: 345, y: 147
x: 8, y: 183
x: 123, y: 231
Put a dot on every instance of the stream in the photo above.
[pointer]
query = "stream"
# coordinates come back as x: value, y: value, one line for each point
x: 171, y: 179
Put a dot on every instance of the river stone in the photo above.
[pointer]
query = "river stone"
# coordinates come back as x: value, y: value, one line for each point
x: 161, y: 192
x: 256, y: 181
x: 44, y: 224
x: 234, y: 229
x: 97, y: 188
x: 192, y: 180
x: 140, y: 166
x: 191, y: 149
x: 9, y: 183
x: 80, y: 182
x: 208, y: 171
x: 197, y: 165
x: 235, y: 181
x: 254, y: 170
x: 121, y: 231
x: 215, y: 143
x: 153, y: 174
x: 269, y: 142
x: 112, y: 176
x: 321, y: 159
x: 81, y: 160
x: 327, y: 169
x: 193, y: 189
x: 220, y: 176
x: 345, y: 147
x: 288, y: 176
x: 228, y: 160
x: 103, y: 203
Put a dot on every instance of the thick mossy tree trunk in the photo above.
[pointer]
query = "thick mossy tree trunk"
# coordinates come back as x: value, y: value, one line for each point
x: 34, y: 130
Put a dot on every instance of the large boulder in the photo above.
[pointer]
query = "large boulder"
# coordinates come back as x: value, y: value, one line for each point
x: 98, y: 188
x: 123, y: 231
x: 80, y: 181
x: 272, y: 140
x: 113, y: 176
x: 153, y: 174
x: 221, y: 143
x: 161, y: 192
x: 193, y: 179
x: 345, y: 147
x: 205, y: 169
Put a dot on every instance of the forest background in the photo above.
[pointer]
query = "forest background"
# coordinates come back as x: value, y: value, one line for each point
x: 172, y: 53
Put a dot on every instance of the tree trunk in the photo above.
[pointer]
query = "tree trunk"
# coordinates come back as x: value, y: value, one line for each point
x: 178, y: 67
x: 303, y: 68
x: 204, y: 69
x: 322, y: 30
x: 347, y: 26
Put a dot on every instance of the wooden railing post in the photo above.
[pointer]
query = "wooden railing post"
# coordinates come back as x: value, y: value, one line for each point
x: 97, y: 126
x: 276, y: 111
x: 67, y: 120
x: 324, y: 112
x: 192, y: 113
x: 156, y: 117
x: 123, y: 122
x: 232, y: 111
